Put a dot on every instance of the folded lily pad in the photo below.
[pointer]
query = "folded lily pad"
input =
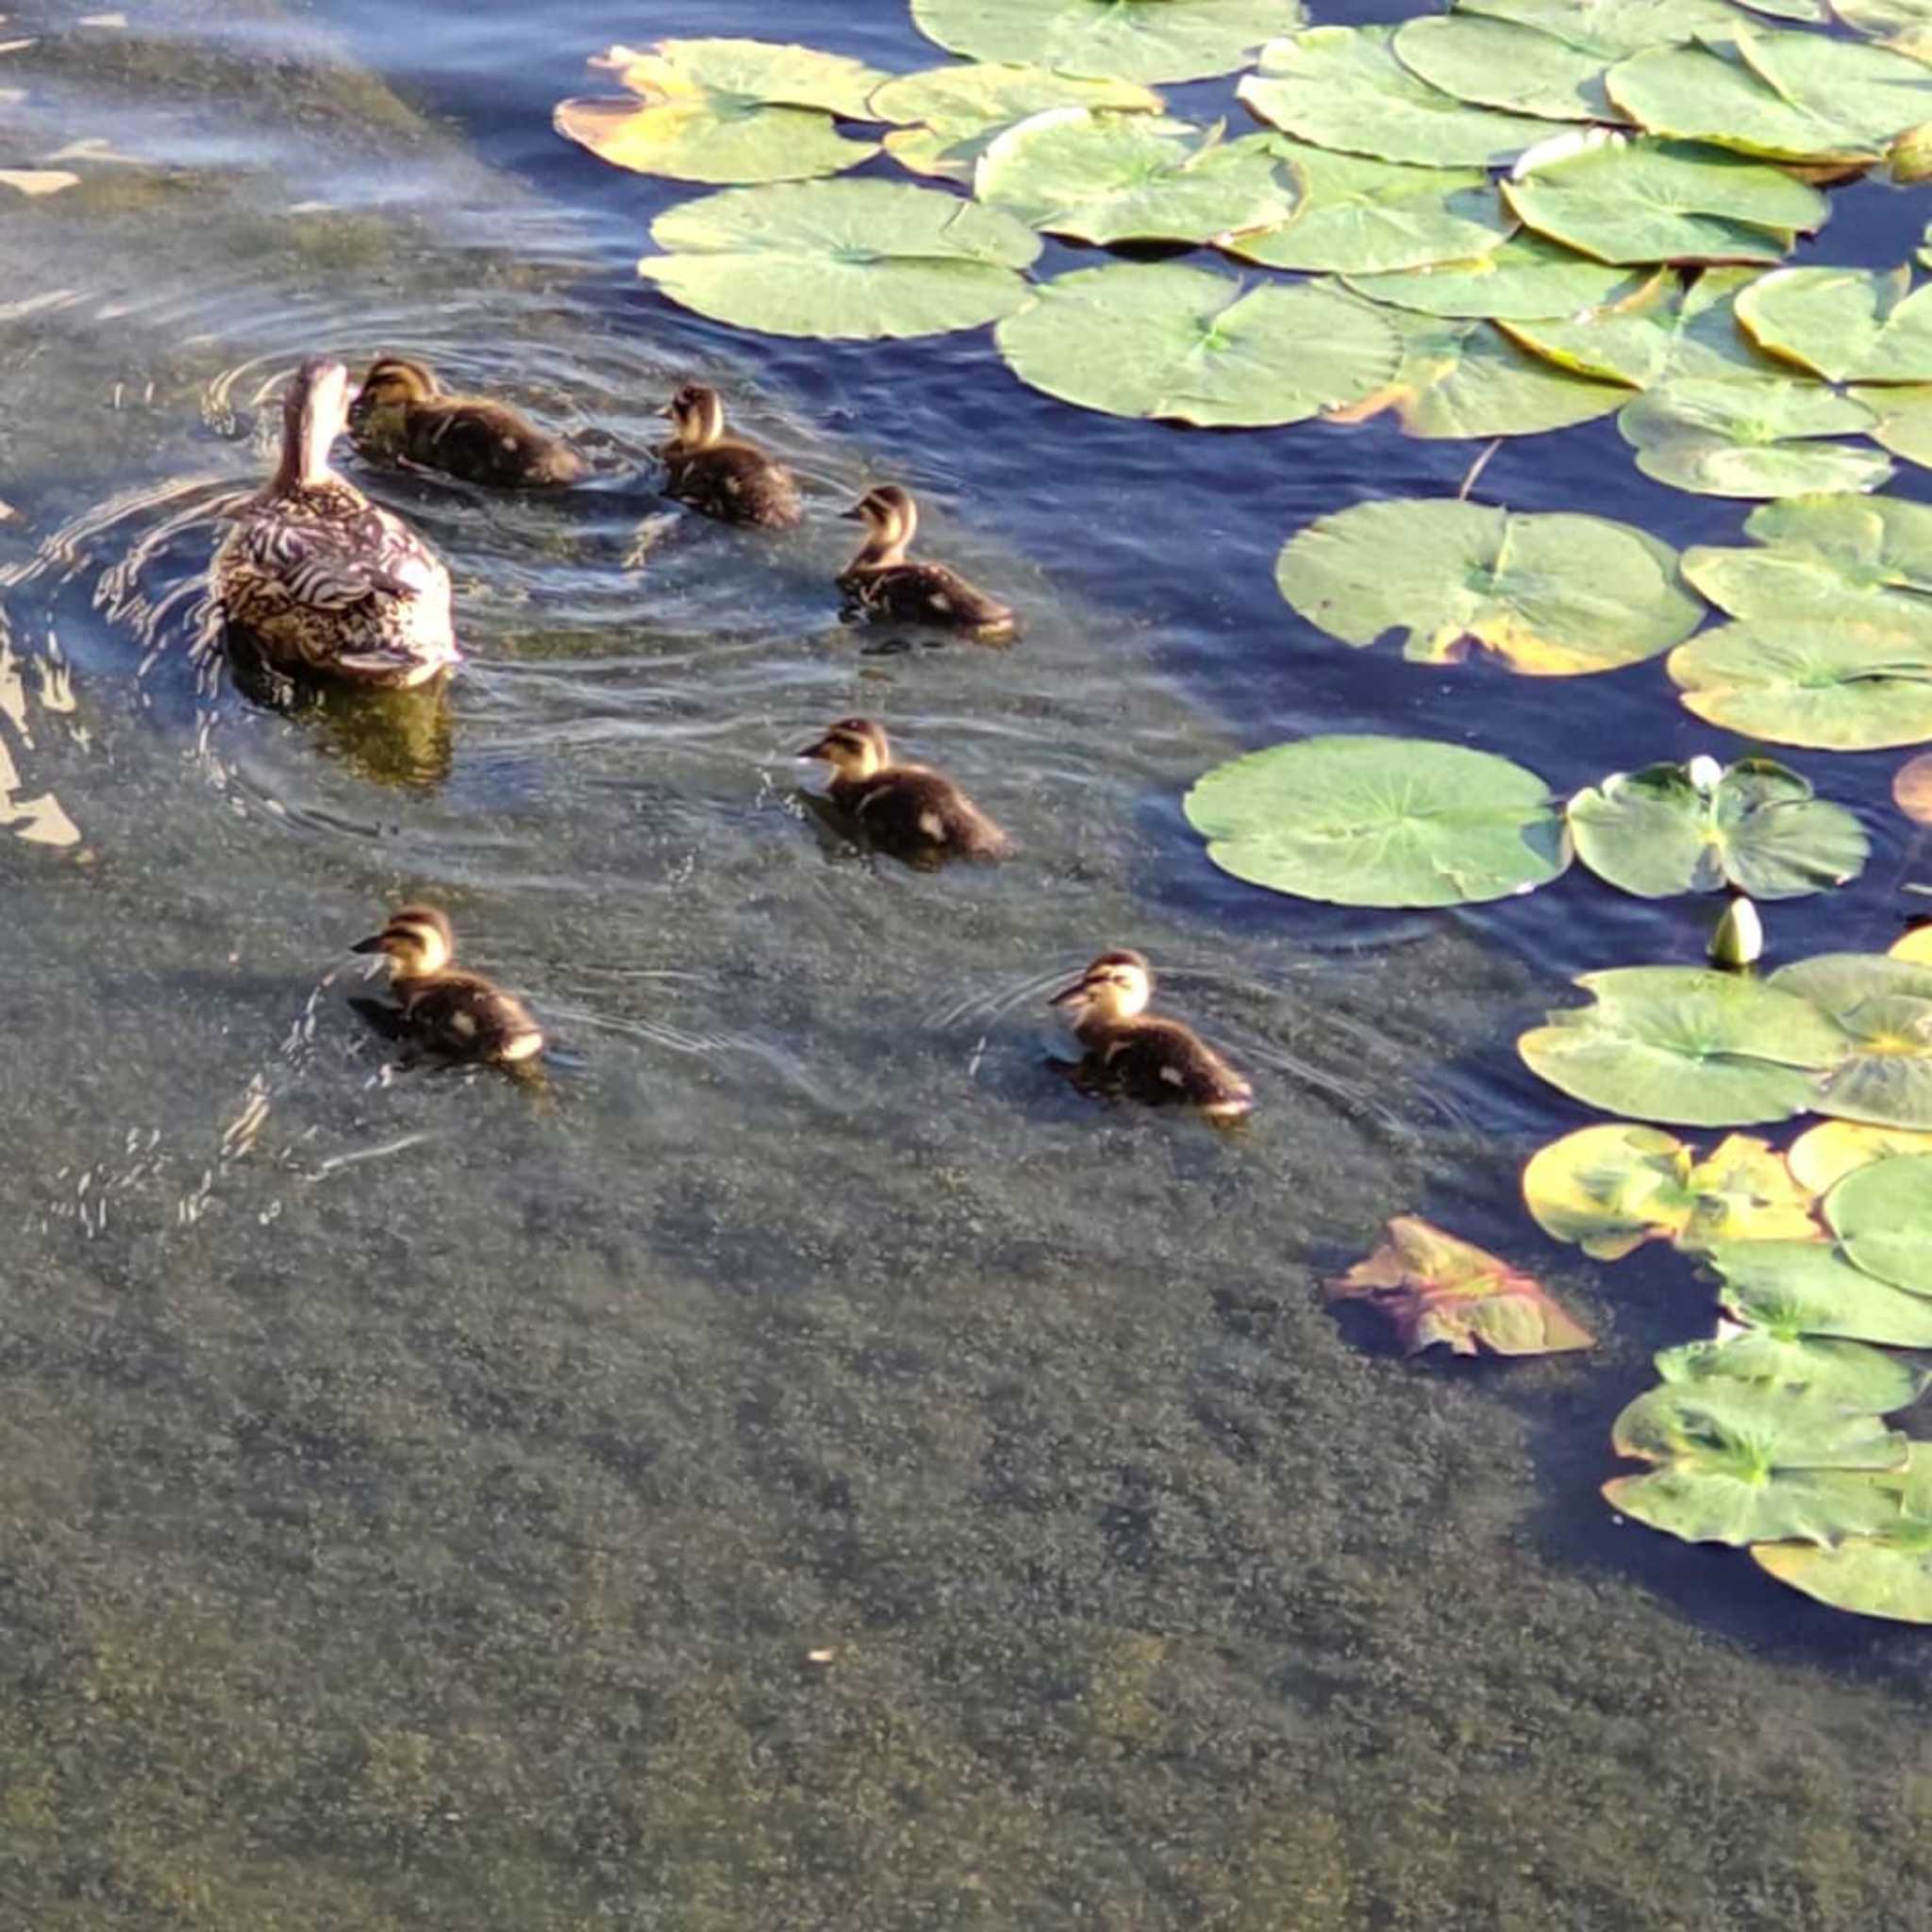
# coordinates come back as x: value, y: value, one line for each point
x: 1866, y: 558
x: 1435, y: 1288
x: 1720, y: 438
x: 1821, y: 1156
x: 1123, y: 40
x: 1373, y: 821
x: 842, y: 259
x: 725, y: 111
x: 1361, y: 216
x: 1834, y: 685
x: 1106, y: 177
x: 1644, y: 200
x: 1612, y: 1188
x: 1343, y: 86
x: 1850, y: 1375
x: 1744, y: 1462
x: 1554, y: 595
x: 1665, y: 332
x: 1905, y: 419
x: 1846, y: 325
x: 1812, y: 1288
x: 1883, y: 1005
x: 1684, y: 1046
x: 1756, y: 826
x: 1526, y: 277
x: 1503, y: 64
x: 1167, y: 341
x: 948, y: 116
x: 1887, y: 1573
x: 1882, y: 1215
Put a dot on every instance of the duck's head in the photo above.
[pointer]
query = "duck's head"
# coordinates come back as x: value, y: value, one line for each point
x: 314, y: 413
x: 891, y: 516
x: 697, y: 417
x: 395, y: 380
x: 854, y: 747
x: 1117, y: 986
x: 417, y: 941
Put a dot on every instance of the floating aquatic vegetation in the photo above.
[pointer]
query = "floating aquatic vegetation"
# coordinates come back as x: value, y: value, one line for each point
x: 1882, y: 1215
x: 1905, y: 419
x: 842, y: 259
x: 1883, y: 1005
x: 1124, y: 40
x: 1502, y: 64
x: 1843, y: 324
x: 1373, y: 821
x: 1850, y: 1375
x: 1435, y: 1288
x: 1814, y: 1287
x: 1526, y: 277
x: 1554, y: 595
x: 1886, y: 1573
x: 1613, y: 28
x: 1139, y: 338
x: 1822, y: 1156
x: 1865, y: 559
x: 1720, y: 438
x: 725, y: 111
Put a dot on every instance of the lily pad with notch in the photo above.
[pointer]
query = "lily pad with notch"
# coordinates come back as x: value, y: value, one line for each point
x: 1813, y: 1288
x: 1882, y: 1214
x: 1886, y: 1573
x: 1505, y: 65
x: 1865, y: 559
x: 1832, y: 684
x: 1723, y: 437
x: 1846, y: 325
x: 1850, y: 1375
x: 1883, y: 1005
x: 1528, y: 277
x: 1121, y: 40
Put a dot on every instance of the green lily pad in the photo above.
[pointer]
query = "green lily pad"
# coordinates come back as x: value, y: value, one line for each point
x: 1744, y: 1462
x: 1833, y: 684
x: 1123, y: 40
x: 1686, y: 1046
x: 842, y: 259
x: 1868, y: 559
x: 725, y: 111
x: 1887, y: 1574
x: 1343, y: 86
x: 1787, y: 96
x: 1758, y: 827
x: 1846, y: 325
x: 1361, y: 216
x: 1883, y: 1216
x: 1664, y: 332
x: 1554, y: 595
x: 1501, y: 64
x: 948, y: 116
x: 1885, y: 18
x: 1904, y: 420
x: 1526, y: 277
x: 1464, y: 379
x: 1132, y: 177
x: 1380, y: 821
x: 1613, y: 28
x: 1720, y: 438
x: 1811, y: 1288
x: 1850, y: 1375
x: 1185, y: 343
x: 1643, y: 200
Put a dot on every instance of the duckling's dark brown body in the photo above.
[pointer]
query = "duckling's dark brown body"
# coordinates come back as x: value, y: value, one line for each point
x: 905, y: 810
x: 880, y: 583
x: 720, y: 475
x: 402, y: 412
x: 441, y: 1010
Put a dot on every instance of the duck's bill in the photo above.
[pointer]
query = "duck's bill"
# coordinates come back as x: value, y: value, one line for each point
x: 822, y: 749
x: 372, y: 944
x: 1072, y: 996
x: 852, y: 515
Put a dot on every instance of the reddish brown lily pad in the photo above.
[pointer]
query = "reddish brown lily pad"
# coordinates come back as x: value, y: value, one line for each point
x: 1434, y: 1288
x: 1911, y: 787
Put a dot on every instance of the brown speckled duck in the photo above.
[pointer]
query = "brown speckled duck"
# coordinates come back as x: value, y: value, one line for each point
x: 453, y: 1015
x: 403, y: 412
x: 722, y: 475
x: 905, y: 810
x: 320, y: 580
x: 1139, y: 1055
x: 881, y: 583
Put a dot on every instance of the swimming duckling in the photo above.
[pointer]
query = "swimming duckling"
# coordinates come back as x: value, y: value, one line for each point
x: 403, y: 412
x: 903, y: 808
x: 880, y: 583
x: 1146, y: 1057
x: 456, y: 1016
x: 319, y: 579
x: 719, y: 474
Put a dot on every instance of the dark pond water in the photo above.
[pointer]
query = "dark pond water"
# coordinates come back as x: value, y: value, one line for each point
x: 805, y: 1467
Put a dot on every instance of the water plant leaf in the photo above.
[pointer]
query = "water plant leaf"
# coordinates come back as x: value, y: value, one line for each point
x: 725, y: 111
x: 1123, y: 40
x: 1343, y: 86
x: 1435, y: 1288
x: 1106, y: 177
x: 1502, y: 64
x: 1613, y: 28
x: 1663, y: 332
x: 1158, y: 339
x: 1883, y: 1005
x: 1821, y: 1156
x: 1885, y: 18
x: 1610, y: 1189
x: 1832, y: 685
x: 1373, y: 821
x: 1745, y: 1463
x: 1361, y: 216
x: 1846, y: 325
x: 841, y: 258
x: 1527, y: 278
x: 1812, y: 1288
x: 1905, y: 419
x: 1882, y: 1215
x: 1554, y: 595
x: 1758, y: 827
x: 1464, y: 379
x: 946, y: 117
x: 1720, y: 438
x: 1850, y: 1375
x: 1686, y: 1046
x: 1887, y: 1573
x: 1643, y: 200
x: 1865, y: 559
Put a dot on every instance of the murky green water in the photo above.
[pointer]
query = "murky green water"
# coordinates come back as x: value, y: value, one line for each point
x: 805, y: 1469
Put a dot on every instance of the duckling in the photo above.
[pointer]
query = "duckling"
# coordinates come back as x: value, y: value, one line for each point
x: 456, y: 1016
x: 1141, y: 1055
x: 880, y: 583
x: 903, y: 808
x: 403, y: 412
x: 317, y: 578
x: 733, y: 481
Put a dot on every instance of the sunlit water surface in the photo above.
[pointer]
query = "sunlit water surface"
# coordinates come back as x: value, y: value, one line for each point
x: 803, y: 1467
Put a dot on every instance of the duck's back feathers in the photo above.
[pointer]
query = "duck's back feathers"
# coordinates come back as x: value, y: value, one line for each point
x: 931, y: 593
x: 488, y: 443
x: 908, y: 809
x: 463, y: 1016
x: 1160, y: 1061
x: 735, y: 483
